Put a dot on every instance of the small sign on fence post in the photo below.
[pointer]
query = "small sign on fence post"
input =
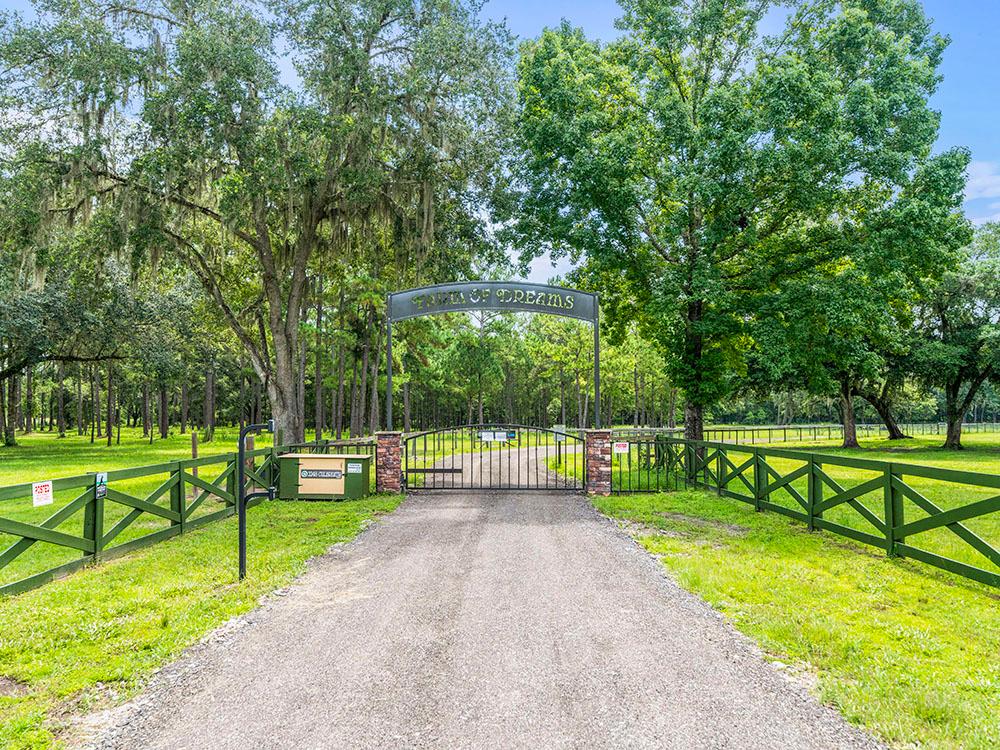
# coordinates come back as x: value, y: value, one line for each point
x: 101, y: 485
x: 41, y: 494
x: 620, y: 446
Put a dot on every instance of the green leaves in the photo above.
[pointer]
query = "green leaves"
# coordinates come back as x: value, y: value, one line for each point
x: 705, y: 165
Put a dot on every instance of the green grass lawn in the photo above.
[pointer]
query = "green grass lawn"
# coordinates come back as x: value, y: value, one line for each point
x: 90, y: 640
x: 43, y: 455
x: 911, y: 653
x: 982, y: 456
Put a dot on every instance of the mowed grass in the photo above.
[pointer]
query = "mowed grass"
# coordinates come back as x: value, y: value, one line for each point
x: 909, y: 652
x: 91, y: 639
x: 635, y: 472
x: 982, y: 456
x: 42, y: 456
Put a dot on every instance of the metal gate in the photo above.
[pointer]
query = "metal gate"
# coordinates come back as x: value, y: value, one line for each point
x: 494, y: 457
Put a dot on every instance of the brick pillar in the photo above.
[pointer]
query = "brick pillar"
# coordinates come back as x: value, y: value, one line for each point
x: 598, y: 447
x: 389, y: 461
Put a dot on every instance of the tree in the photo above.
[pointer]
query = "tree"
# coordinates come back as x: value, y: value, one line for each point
x: 844, y: 327
x: 174, y: 115
x: 696, y: 162
x: 958, y: 343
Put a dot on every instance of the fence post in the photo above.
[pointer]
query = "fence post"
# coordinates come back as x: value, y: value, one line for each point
x: 893, y: 510
x: 815, y: 493
x: 178, y: 496
x: 759, y: 479
x: 718, y: 469
x: 93, y: 520
x: 231, y: 480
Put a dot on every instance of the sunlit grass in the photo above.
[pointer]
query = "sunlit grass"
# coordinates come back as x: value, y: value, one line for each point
x: 91, y: 639
x: 911, y: 653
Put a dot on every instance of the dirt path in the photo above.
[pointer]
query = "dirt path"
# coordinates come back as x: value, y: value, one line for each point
x: 503, y: 620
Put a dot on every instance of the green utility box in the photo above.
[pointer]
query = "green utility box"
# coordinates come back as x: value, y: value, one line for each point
x: 319, y: 476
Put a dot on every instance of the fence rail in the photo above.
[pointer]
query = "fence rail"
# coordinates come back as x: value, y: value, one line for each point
x: 136, y: 508
x: 883, y: 504
x: 767, y: 434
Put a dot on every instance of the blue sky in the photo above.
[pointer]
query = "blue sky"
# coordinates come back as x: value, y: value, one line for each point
x: 969, y: 97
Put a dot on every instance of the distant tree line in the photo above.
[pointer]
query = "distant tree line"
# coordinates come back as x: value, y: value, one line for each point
x: 187, y: 238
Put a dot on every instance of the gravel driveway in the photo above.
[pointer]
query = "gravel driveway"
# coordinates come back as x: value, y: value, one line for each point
x: 486, y: 620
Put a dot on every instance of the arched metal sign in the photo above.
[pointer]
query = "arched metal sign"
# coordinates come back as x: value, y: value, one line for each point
x: 497, y: 296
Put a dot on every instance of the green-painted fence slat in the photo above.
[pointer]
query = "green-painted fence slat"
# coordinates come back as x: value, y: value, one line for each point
x: 859, y: 536
x: 872, y: 485
x: 18, y: 548
x: 40, y: 579
x: 143, y: 541
x: 26, y: 530
x: 119, y: 527
x: 950, y: 517
x: 133, y: 502
x: 952, y: 566
x: 210, y: 487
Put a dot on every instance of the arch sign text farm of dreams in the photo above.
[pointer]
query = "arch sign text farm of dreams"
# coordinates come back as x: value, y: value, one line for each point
x: 494, y: 296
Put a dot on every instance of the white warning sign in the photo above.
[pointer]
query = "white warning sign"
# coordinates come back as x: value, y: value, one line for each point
x: 41, y: 493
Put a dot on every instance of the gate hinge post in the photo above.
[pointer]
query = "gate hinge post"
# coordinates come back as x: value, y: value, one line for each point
x: 389, y: 461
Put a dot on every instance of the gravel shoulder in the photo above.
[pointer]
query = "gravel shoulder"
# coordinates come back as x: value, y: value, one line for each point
x: 479, y: 620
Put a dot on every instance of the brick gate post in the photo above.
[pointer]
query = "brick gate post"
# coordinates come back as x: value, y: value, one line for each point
x: 598, y: 449
x: 388, y: 461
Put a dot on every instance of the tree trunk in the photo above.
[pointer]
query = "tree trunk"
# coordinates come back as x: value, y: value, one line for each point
x: 406, y: 406
x: 208, y: 404
x: 300, y: 391
x: 94, y: 406
x: 562, y: 396
x: 373, y: 417
x: 694, y: 410
x: 185, y: 405
x: 145, y: 409
x: 953, y: 415
x: 847, y: 417
x: 318, y: 372
x: 363, y: 388
x: 338, y: 404
x: 694, y: 421
x: 79, y: 400
x: 111, y: 402
x: 29, y: 406
x: 883, y: 407
x: 953, y: 436
x: 6, y: 429
x: 672, y: 409
x: 164, y: 412
x: 61, y: 398
x: 635, y: 389
x: 355, y: 427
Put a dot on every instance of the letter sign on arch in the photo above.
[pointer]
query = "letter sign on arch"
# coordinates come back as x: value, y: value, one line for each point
x: 496, y: 296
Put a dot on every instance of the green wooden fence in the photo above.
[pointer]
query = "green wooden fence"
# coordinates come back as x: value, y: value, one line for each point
x: 141, y: 506
x: 941, y: 517
x: 765, y: 434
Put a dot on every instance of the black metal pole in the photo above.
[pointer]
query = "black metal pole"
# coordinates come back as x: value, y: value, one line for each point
x: 388, y: 365
x: 597, y: 364
x: 241, y: 506
x: 241, y: 496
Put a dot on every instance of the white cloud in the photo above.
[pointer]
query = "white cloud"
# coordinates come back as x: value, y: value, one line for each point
x: 984, y: 180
